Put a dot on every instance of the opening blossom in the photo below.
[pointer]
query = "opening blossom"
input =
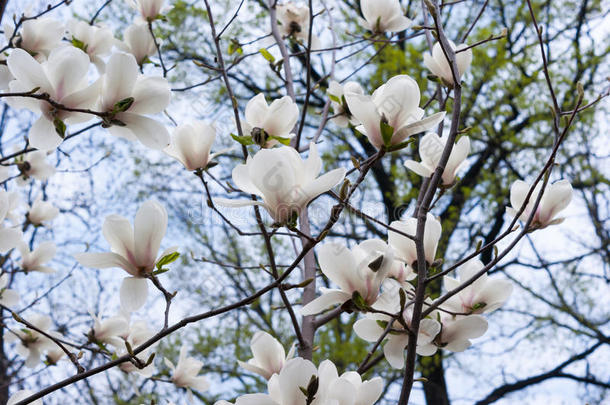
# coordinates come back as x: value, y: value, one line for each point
x: 149, y: 9
x: 32, y: 344
x: 405, y: 247
x: 458, y: 330
x: 64, y: 78
x: 37, y: 36
x: 438, y: 64
x: 184, y: 374
x: 293, y: 21
x: 34, y: 165
x: 139, y: 42
x: 135, y: 96
x: 430, y: 150
x: 285, y: 182
x: 383, y: 16
x: 392, y: 113
x: 93, y: 40
x: 269, y: 355
x: 266, y: 123
x: 192, y: 143
x: 556, y: 197
x: 359, y: 270
x: 41, y: 213
x: 109, y: 330
x: 133, y: 249
x: 36, y: 259
x: 139, y: 332
x: 336, y: 92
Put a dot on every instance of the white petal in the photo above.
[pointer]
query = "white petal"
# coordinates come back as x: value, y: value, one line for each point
x: 134, y: 292
x: 150, y: 132
x: 151, y: 95
x: 394, y: 350
x: 43, y: 136
x: 150, y: 226
x: 368, y: 329
x: 104, y: 261
x: 328, y: 299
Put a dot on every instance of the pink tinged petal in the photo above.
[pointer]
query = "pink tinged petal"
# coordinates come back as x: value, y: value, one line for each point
x: 9, y: 239
x: 28, y: 71
x: 365, y: 111
x: 368, y: 329
x: 150, y: 226
x: 150, y: 132
x: 151, y: 95
x: 83, y: 98
x: 66, y: 69
x: 119, y: 234
x: 326, y: 300
x: 43, y: 136
x: 121, y: 74
x: 105, y: 260
x: 394, y: 350
x: 134, y: 292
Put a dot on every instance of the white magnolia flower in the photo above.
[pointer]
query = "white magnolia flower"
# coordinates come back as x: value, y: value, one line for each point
x: 32, y: 344
x: 458, y: 330
x: 139, y: 332
x: 184, y: 374
x: 36, y: 259
x: 265, y: 122
x: 136, y: 96
x: 284, y: 181
x: 95, y: 41
x: 383, y: 16
x: 20, y: 396
x: 64, y: 78
x: 38, y: 36
x: 431, y: 148
x: 438, y: 64
x: 556, y: 197
x: 336, y: 93
x: 8, y: 297
x: 110, y: 330
x: 359, y: 270
x: 34, y: 165
x: 139, y: 42
x: 483, y: 296
x: 395, y: 105
x: 192, y: 143
x: 285, y: 388
x: 149, y: 9
x: 9, y: 236
x: 41, y: 213
x: 53, y: 356
x: 293, y: 20
x: 269, y: 355
x: 134, y: 249
x: 405, y: 247
x: 372, y: 327
x: 5, y: 77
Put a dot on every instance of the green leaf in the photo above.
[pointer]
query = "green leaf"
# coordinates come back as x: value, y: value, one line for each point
x: 234, y: 47
x: 270, y: 58
x: 244, y: 140
x: 359, y: 301
x: 167, y: 259
x: 386, y: 133
x: 334, y: 98
x: 283, y: 141
x: 123, y: 105
x: 60, y: 127
x: 403, y: 299
x: 79, y: 44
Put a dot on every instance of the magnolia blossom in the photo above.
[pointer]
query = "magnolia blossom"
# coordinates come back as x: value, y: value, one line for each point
x: 64, y: 78
x: 269, y: 355
x: 556, y: 197
x: 184, y: 374
x: 139, y: 42
x: 265, y: 123
x: 95, y: 41
x: 438, y: 64
x: 392, y: 113
x: 109, y: 330
x: 8, y: 297
x: 192, y: 143
x: 139, y: 332
x: 293, y: 20
x: 38, y: 36
x: 405, y: 247
x: 34, y: 165
x: 372, y: 327
x: 5, y: 77
x: 32, y: 344
x: 484, y: 295
x: 20, y: 396
x: 134, y: 249
x: 458, y: 330
x: 431, y: 149
x: 36, y: 259
x: 286, y: 387
x: 359, y: 270
x: 9, y: 236
x: 41, y: 213
x: 149, y: 9
x: 383, y: 16
x: 284, y: 181
x: 336, y: 92
x: 133, y: 96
